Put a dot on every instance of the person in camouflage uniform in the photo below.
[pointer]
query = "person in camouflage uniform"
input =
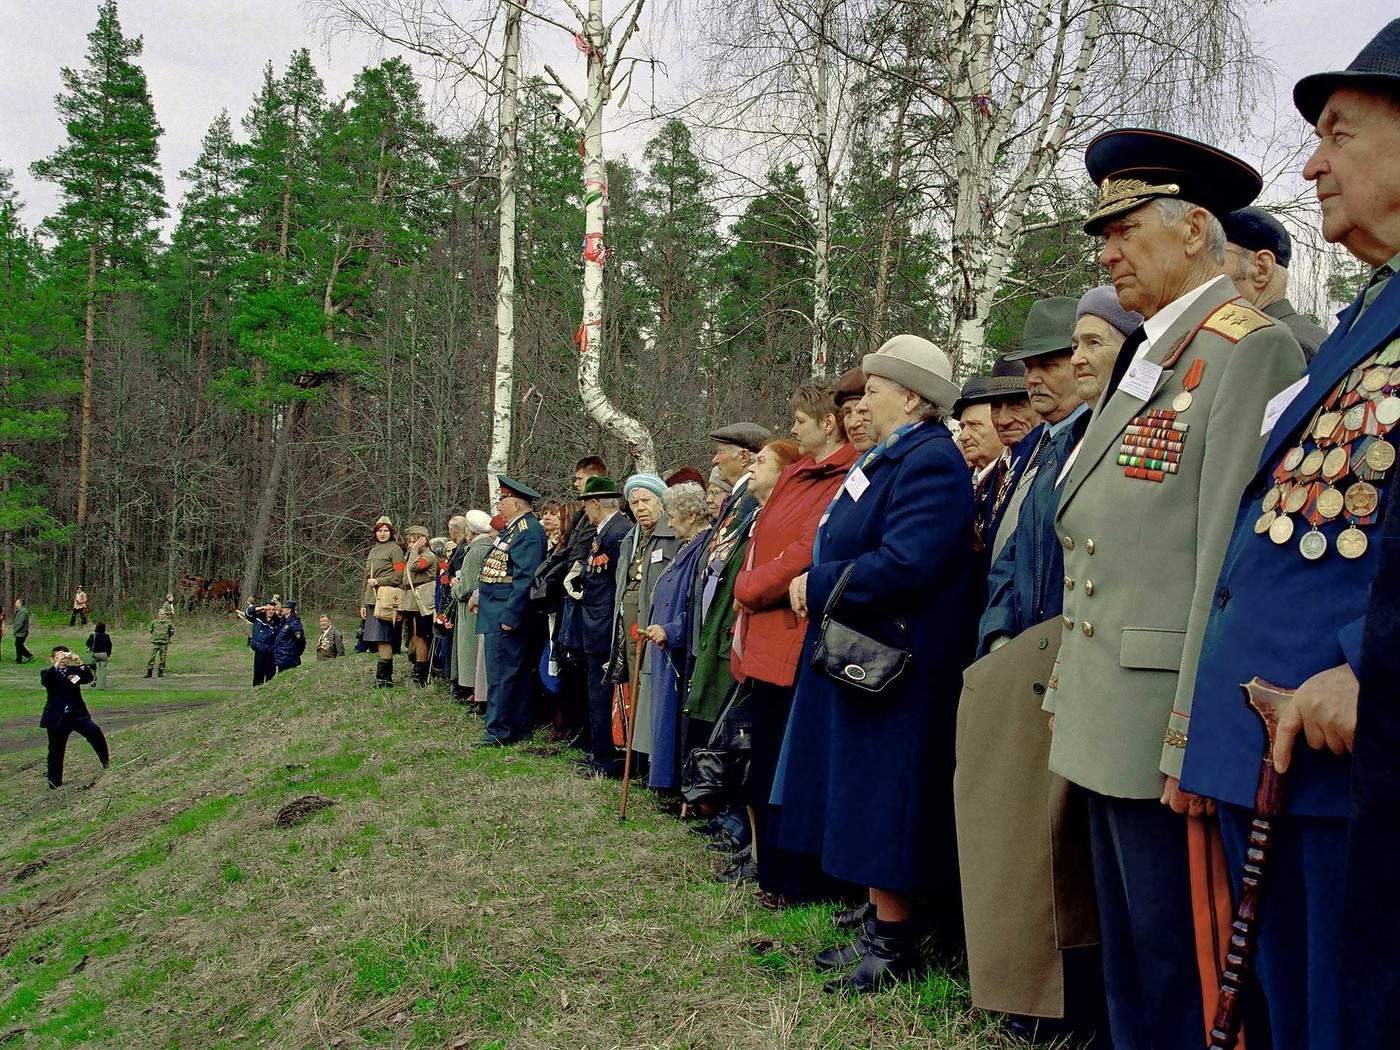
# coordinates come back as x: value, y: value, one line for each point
x: 162, y: 631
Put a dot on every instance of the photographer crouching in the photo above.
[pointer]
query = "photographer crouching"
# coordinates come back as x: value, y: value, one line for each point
x: 64, y: 709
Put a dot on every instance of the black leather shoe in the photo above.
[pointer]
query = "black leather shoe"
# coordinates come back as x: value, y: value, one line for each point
x: 744, y: 871
x: 892, y: 955
x: 853, y: 918
x: 845, y: 955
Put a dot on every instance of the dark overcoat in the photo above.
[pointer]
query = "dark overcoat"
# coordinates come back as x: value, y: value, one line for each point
x: 670, y: 610
x: 866, y: 781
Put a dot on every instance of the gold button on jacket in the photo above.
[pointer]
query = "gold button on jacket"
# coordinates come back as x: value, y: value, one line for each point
x: 1153, y: 549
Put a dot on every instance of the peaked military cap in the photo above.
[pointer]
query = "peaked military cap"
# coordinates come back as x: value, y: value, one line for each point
x: 1049, y: 327
x: 1256, y: 230
x: 511, y: 487
x: 745, y: 435
x: 1132, y: 166
x: 600, y: 486
x: 1378, y: 65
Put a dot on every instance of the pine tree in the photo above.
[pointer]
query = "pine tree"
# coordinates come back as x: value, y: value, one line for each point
x: 765, y: 308
x: 208, y: 242
x: 111, y: 193
x: 33, y: 381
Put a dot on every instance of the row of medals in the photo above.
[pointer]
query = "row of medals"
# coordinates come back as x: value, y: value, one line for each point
x: 1349, y: 430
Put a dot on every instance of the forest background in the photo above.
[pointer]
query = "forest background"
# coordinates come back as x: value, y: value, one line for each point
x: 232, y: 376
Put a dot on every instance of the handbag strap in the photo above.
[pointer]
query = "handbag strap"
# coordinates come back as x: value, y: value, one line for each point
x: 835, y: 596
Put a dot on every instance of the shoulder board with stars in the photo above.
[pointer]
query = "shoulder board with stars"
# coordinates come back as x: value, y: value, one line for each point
x: 1235, y: 320
x: 522, y: 526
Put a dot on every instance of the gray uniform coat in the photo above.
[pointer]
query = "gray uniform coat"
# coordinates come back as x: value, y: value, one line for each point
x: 464, y: 637
x: 660, y: 549
x: 1142, y: 556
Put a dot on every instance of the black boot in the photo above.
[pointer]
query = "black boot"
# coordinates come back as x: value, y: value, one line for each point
x: 840, y: 958
x: 891, y: 955
x: 420, y: 673
x: 854, y: 918
x: 384, y: 674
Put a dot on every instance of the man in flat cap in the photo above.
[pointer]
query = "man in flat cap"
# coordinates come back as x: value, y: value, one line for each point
x: 1143, y: 519
x: 1290, y: 607
x: 602, y: 502
x: 503, y: 614
x: 736, y: 447
x: 1257, y: 258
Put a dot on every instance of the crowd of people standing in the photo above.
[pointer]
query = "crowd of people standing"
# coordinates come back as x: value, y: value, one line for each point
x: 988, y: 688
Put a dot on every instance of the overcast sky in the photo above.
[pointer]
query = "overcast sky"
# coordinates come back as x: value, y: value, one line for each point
x: 202, y: 56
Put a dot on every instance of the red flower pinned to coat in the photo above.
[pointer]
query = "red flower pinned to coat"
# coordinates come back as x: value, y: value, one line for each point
x: 398, y: 566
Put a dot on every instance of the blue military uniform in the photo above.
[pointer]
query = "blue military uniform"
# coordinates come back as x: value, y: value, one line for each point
x: 505, y: 620
x: 1301, y: 546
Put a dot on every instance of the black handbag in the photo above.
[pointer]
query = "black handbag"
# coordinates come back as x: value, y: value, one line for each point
x: 854, y: 659
x: 719, y: 771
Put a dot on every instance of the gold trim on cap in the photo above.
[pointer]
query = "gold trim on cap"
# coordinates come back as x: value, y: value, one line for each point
x: 1113, y: 191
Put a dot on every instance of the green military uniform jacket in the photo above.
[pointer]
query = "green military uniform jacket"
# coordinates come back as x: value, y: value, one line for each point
x: 1145, y: 516
x: 162, y: 631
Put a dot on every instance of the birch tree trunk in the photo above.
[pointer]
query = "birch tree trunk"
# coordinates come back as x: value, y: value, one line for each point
x: 590, y: 334
x: 821, y: 284
x: 502, y: 405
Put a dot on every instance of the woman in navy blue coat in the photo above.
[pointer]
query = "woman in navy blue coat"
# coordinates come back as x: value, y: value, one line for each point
x: 669, y: 629
x: 865, y: 781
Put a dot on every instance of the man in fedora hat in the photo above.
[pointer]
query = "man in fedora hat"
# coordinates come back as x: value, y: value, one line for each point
x: 1257, y: 258
x: 1143, y: 518
x: 602, y: 500
x: 1052, y: 398
x: 1291, y: 607
x: 998, y: 403
x: 503, y: 614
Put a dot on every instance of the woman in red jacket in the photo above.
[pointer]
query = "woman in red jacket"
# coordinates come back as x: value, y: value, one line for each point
x: 768, y: 635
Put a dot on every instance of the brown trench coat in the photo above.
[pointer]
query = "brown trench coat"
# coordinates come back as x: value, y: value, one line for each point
x: 1023, y: 843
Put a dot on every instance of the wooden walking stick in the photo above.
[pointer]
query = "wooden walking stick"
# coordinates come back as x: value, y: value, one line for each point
x: 631, y: 722
x: 1265, y: 700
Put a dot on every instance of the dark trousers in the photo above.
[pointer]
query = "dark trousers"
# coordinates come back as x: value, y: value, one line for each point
x: 600, y: 696
x: 1299, y: 960
x: 86, y: 728
x: 74, y: 618
x: 1143, y: 884
x: 797, y: 876
x: 22, y: 652
x: 509, y: 696
x: 1370, y: 908
x: 264, y: 667
x: 571, y: 705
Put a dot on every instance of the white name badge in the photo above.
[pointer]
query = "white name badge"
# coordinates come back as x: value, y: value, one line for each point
x: 1141, y: 379
x: 1279, y: 403
x: 657, y: 555
x: 856, y: 484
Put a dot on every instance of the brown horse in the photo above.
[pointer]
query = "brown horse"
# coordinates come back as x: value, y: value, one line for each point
x: 223, y: 592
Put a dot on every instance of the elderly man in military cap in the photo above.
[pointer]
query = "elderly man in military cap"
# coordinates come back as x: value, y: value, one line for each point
x: 597, y: 607
x: 503, y: 614
x: 1143, y: 518
x: 1257, y: 258
x: 850, y: 393
x: 1290, y: 607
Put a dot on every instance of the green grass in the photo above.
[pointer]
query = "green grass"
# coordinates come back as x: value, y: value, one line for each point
x: 451, y: 896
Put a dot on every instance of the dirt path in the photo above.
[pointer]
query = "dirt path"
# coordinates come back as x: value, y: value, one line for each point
x: 21, y: 734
